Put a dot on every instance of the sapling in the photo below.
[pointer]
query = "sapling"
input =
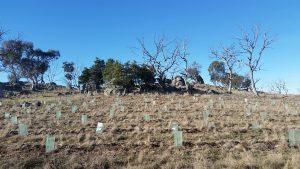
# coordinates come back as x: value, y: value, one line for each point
x: 74, y: 109
x: 23, y: 130
x: 294, y: 136
x: 174, y: 127
x: 255, y: 125
x: 147, y: 117
x: 263, y: 115
x: 178, y: 139
x: 14, y: 120
x: 206, y: 117
x: 58, y: 115
x: 50, y: 143
x: 84, y: 119
x: 6, y: 115
x: 111, y: 113
x: 100, y: 128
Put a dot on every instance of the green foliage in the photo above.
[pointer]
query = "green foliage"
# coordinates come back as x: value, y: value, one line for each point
x: 96, y: 71
x: 20, y: 59
x: 112, y: 74
x: 11, y: 54
x: 36, y: 64
x: 127, y: 75
x: 217, y: 71
x: 218, y: 75
x: 85, y: 76
x: 93, y: 74
x: 69, y: 69
x: 193, y: 73
x: 142, y: 75
x: 238, y: 81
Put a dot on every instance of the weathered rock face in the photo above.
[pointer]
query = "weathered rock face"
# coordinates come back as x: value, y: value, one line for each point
x: 110, y: 91
x: 26, y: 104
x: 90, y: 88
x: 178, y: 81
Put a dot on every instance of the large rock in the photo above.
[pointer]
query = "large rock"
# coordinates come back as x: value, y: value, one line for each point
x: 178, y: 81
x: 37, y: 103
x: 109, y: 91
x: 26, y: 104
x: 90, y: 88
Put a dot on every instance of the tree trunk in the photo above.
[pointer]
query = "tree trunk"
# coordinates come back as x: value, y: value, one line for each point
x: 69, y: 86
x: 42, y: 79
x: 229, y: 86
x: 33, y: 86
x: 253, y: 83
x: 230, y: 82
x: 1, y: 92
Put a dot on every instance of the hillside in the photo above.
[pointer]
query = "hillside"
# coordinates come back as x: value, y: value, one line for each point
x: 137, y: 131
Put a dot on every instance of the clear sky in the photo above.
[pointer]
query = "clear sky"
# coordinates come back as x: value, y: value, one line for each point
x: 84, y: 29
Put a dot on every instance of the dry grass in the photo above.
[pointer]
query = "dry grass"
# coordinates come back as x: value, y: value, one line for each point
x: 226, y: 141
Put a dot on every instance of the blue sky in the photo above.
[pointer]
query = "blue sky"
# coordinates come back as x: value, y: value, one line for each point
x: 84, y: 29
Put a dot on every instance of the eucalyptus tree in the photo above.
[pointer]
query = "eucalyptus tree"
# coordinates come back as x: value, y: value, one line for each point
x: 253, y: 45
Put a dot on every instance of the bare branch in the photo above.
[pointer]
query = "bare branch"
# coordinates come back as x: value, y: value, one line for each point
x: 164, y: 57
x: 248, y: 43
x: 228, y: 55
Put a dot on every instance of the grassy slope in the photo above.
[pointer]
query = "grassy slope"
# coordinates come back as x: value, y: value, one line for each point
x: 130, y: 142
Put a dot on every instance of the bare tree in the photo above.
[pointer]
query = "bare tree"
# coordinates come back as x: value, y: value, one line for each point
x: 279, y: 87
x: 249, y: 42
x: 184, y: 57
x: 2, y: 32
x: 164, y: 56
x: 76, y: 74
x: 53, y: 72
x: 228, y: 55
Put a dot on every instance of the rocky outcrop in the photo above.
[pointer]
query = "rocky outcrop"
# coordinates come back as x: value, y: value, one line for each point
x: 110, y: 91
x: 178, y: 82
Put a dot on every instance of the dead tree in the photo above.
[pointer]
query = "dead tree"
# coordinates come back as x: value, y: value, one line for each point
x: 279, y: 87
x: 248, y: 43
x: 228, y: 55
x: 2, y: 32
x: 184, y: 57
x: 163, y: 58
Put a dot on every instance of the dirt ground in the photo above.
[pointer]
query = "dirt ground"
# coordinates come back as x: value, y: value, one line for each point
x: 236, y: 135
